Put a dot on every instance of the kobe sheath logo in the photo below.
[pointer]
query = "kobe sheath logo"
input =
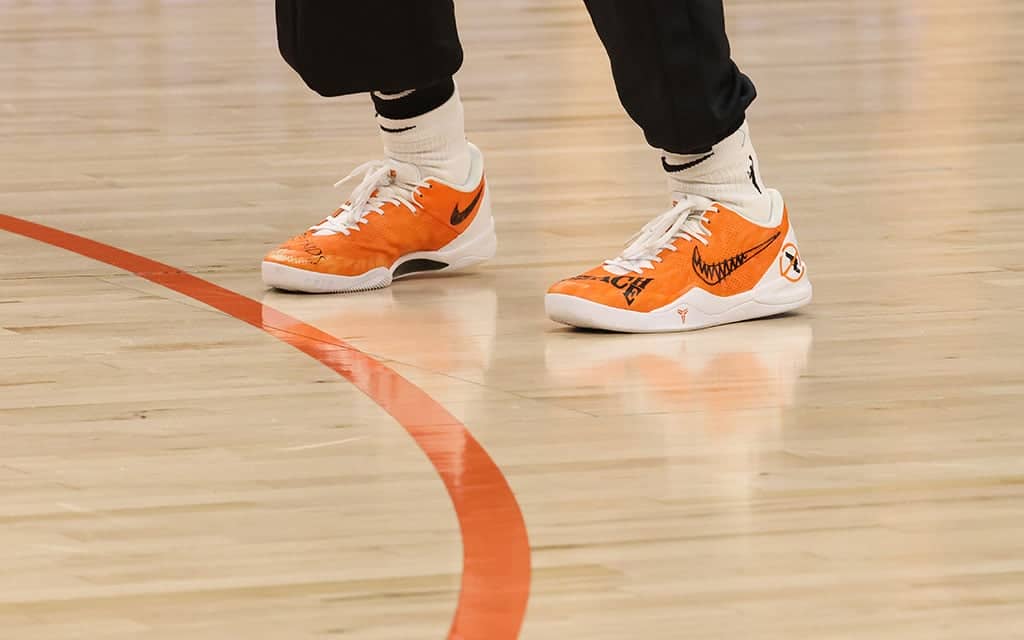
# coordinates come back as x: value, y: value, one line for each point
x: 459, y: 216
x: 715, y: 272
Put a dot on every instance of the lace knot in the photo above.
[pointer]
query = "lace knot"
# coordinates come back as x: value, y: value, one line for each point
x: 381, y: 184
x: 685, y: 220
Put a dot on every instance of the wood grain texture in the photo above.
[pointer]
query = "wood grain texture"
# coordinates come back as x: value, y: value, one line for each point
x: 850, y: 472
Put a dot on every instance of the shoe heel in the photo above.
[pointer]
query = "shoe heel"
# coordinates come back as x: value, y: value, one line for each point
x: 476, y: 244
x: 480, y: 249
x: 784, y: 295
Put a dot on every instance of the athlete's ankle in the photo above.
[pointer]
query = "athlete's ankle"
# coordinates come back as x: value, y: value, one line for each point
x: 728, y: 173
x: 426, y: 127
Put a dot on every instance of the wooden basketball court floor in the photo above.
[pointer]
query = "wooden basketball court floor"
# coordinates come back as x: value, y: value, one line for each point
x: 178, y: 462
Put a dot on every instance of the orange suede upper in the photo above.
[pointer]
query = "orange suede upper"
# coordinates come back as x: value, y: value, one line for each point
x: 736, y: 257
x: 382, y: 239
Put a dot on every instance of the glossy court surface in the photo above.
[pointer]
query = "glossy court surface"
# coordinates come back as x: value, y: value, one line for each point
x: 170, y: 470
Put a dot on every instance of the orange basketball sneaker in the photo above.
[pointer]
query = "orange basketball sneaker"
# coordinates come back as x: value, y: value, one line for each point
x: 697, y: 265
x: 396, y: 223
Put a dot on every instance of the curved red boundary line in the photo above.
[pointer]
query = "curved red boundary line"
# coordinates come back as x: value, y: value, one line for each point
x: 496, y: 550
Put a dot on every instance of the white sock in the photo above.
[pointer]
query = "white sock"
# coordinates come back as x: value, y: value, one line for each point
x: 435, y: 141
x: 729, y: 174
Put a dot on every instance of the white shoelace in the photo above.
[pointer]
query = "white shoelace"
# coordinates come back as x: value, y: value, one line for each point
x: 685, y: 220
x: 380, y: 185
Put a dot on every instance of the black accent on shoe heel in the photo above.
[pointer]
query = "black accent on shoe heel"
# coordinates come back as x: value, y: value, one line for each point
x: 418, y: 265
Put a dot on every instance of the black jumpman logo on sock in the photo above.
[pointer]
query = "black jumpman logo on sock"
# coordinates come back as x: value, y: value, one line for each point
x: 753, y: 175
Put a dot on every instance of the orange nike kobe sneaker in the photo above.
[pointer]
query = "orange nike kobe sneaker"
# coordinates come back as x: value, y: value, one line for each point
x: 395, y: 224
x: 697, y: 265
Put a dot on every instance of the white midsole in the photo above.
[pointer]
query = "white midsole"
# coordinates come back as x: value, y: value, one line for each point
x: 695, y: 310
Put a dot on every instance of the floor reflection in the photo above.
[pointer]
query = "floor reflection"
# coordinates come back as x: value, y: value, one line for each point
x: 443, y: 324
x: 720, y: 377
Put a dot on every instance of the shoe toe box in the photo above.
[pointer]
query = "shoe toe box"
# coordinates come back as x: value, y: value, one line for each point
x: 302, y: 252
x: 628, y: 291
x: 571, y: 287
x: 328, y: 254
x: 594, y: 286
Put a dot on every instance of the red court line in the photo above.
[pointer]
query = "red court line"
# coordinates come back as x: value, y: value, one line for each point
x: 496, y: 551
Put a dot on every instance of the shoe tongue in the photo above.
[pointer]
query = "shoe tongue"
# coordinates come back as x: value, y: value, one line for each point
x: 679, y: 196
x: 406, y: 177
x: 406, y: 173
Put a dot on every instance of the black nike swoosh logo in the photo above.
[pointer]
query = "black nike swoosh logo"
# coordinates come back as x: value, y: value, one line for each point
x: 458, y: 217
x: 402, y: 130
x: 717, y: 272
x: 676, y: 168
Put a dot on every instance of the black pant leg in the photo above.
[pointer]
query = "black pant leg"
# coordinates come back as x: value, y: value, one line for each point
x: 341, y: 47
x: 673, y: 71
